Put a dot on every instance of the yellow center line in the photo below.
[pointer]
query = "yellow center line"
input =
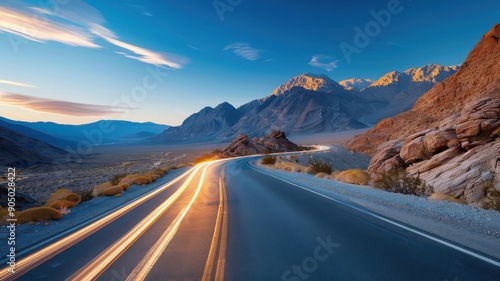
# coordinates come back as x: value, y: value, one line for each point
x: 146, y: 264
x: 219, y: 239
x: 99, y: 264
x: 26, y: 264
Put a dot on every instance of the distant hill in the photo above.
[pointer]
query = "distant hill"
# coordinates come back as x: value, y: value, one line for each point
x: 38, y: 135
x: 207, y: 123
x: 103, y: 132
x: 18, y: 150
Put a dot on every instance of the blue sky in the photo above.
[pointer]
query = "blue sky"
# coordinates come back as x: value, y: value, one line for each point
x: 74, y: 61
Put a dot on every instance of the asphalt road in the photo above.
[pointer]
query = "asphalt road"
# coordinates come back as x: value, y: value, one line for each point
x: 227, y: 221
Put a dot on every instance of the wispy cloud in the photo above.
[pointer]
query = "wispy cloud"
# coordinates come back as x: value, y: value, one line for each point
x: 141, y: 54
x: 323, y: 61
x: 243, y: 50
x: 58, y: 106
x: 75, y: 23
x: 30, y: 27
x: 15, y: 83
x: 394, y: 44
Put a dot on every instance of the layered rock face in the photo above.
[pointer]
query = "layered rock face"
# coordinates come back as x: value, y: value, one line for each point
x: 460, y: 157
x: 242, y: 145
x: 451, y: 137
x: 478, y: 77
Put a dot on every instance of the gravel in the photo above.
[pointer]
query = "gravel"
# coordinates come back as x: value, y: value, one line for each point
x: 468, y: 226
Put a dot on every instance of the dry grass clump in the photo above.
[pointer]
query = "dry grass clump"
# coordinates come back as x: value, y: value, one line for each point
x: 121, y: 183
x: 319, y: 166
x: 63, y: 198
x: 324, y: 176
x: 353, y: 176
x: 160, y: 171
x: 4, y: 212
x: 492, y: 200
x: 290, y: 167
x: 106, y: 189
x: 38, y: 214
x: 438, y: 196
x: 268, y: 160
x: 142, y: 179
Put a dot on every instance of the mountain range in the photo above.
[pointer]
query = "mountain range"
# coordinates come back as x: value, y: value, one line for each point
x: 100, y: 132
x: 306, y: 104
x: 311, y: 103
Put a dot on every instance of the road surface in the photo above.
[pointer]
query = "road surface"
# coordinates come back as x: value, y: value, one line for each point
x: 225, y: 220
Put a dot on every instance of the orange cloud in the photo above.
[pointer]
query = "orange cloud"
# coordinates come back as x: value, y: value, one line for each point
x: 34, y: 28
x: 15, y: 83
x: 58, y: 106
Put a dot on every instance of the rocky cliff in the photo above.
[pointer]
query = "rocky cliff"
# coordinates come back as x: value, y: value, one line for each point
x: 451, y: 137
x: 242, y: 145
x: 479, y: 76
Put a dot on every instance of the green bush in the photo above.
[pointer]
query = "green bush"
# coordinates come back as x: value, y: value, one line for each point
x: 398, y: 181
x: 268, y: 160
x: 319, y: 166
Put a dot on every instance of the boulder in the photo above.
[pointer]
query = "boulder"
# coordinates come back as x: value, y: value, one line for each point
x: 386, y: 158
x: 462, y: 173
x: 439, y: 140
x: 413, y: 148
x: 436, y: 160
x: 479, y: 122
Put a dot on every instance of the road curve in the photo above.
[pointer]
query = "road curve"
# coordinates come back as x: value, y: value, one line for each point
x: 225, y: 220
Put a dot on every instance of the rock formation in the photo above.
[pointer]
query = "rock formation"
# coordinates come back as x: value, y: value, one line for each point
x: 242, y: 145
x: 451, y: 137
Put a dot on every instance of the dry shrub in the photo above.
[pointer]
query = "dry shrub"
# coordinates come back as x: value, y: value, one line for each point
x: 141, y: 179
x: 268, y: 160
x: 492, y: 200
x: 59, y: 204
x: 123, y: 186
x: 98, y: 189
x: 438, y: 196
x: 160, y: 171
x: 128, y: 179
x: 38, y: 214
x: 398, y: 181
x: 115, y: 180
x: 322, y: 175
x: 353, y: 176
x: 319, y: 166
x: 290, y: 167
x: 4, y: 212
x: 64, y: 195
x: 84, y: 192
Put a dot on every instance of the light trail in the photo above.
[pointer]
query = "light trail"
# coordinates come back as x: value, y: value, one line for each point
x: 26, y: 264
x: 146, y: 264
x: 99, y: 264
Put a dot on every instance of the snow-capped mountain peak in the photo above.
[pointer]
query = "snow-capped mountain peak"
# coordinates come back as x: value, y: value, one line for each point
x: 356, y: 84
x: 432, y: 73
